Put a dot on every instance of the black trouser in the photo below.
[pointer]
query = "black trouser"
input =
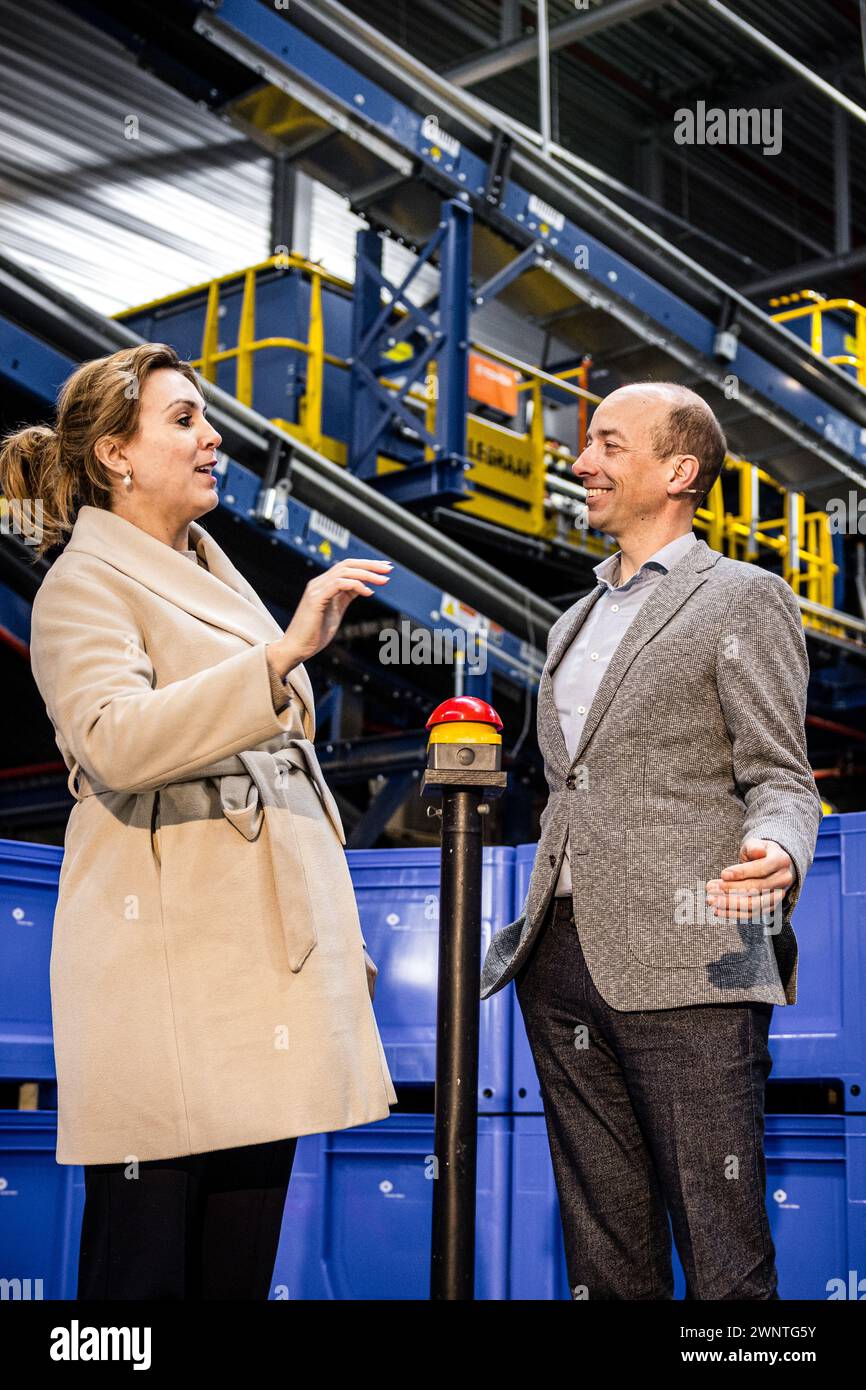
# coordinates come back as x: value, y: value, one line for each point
x: 649, y: 1113
x: 200, y: 1226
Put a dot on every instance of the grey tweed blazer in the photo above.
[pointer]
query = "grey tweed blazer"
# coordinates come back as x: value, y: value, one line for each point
x: 695, y: 741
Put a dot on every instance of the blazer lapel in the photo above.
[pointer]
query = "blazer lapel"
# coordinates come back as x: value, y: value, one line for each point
x: 669, y: 594
x: 218, y: 595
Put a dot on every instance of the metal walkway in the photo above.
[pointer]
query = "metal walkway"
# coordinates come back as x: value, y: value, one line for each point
x: 318, y: 85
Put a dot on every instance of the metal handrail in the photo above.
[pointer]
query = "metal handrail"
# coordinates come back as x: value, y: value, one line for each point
x: 814, y: 310
x: 807, y: 555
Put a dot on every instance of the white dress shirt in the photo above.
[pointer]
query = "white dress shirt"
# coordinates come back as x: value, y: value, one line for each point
x: 580, y: 671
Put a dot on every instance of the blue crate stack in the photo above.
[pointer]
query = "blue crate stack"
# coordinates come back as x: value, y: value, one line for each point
x: 41, y: 1201
x: 358, y: 1215
x: 357, y: 1218
x: 816, y: 1163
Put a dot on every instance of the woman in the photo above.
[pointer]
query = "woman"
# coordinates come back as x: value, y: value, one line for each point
x: 211, y: 992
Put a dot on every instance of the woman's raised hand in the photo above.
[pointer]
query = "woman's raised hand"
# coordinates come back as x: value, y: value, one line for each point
x: 322, y: 607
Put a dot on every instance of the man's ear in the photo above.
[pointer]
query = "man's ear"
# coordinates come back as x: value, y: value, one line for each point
x: 686, y: 470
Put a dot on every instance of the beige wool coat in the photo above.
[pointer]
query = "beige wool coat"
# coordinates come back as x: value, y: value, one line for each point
x: 208, y: 980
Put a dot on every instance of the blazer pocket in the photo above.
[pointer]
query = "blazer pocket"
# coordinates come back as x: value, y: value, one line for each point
x: 496, y: 970
x: 507, y: 939
x: 669, y: 923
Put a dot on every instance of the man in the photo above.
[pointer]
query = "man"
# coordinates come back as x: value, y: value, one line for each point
x: 681, y: 822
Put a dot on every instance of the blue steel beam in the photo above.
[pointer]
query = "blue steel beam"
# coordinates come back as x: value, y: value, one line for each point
x: 366, y: 407
x: 29, y: 364
x: 374, y: 407
x: 528, y: 259
x: 456, y: 229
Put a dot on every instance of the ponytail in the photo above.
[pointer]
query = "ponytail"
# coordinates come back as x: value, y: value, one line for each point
x: 37, y: 490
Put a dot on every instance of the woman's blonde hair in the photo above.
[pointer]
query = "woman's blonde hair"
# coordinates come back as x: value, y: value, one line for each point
x: 58, y: 468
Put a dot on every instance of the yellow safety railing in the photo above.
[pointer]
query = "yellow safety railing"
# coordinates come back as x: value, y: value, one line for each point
x: 815, y: 310
x: 801, y: 540
x: 248, y: 344
x: 510, y: 465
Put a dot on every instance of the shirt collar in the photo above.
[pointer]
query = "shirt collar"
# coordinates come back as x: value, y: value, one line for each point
x: 607, y: 572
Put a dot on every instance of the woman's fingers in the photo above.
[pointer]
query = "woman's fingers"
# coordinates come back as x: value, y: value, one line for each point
x: 362, y: 574
x: 355, y: 584
x: 363, y: 560
x: 332, y: 578
x: 373, y: 571
x: 379, y: 568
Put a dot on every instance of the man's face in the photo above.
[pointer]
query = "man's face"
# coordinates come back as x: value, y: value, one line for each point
x: 619, y: 458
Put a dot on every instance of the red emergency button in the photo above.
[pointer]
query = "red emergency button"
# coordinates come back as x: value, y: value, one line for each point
x: 464, y: 708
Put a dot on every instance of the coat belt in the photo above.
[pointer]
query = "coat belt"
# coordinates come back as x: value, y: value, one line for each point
x: 254, y: 789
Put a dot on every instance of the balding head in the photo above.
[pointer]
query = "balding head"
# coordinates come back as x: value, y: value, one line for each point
x: 653, y: 451
x: 681, y: 423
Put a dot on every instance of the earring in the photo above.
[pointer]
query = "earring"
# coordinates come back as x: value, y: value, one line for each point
x: 127, y: 482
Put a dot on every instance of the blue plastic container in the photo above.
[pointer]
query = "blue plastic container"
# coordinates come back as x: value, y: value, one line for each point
x: 398, y: 899
x: 537, y: 1255
x: 29, y: 876
x: 358, y: 1213
x: 357, y: 1222
x: 397, y: 891
x: 823, y: 1035
x: 41, y: 1205
x: 816, y: 1202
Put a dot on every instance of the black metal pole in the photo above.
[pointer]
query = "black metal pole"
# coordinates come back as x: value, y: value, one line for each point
x: 452, y: 1262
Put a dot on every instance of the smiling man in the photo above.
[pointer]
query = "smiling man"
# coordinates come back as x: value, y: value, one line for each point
x: 681, y: 822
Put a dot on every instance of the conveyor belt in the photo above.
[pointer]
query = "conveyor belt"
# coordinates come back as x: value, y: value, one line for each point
x: 361, y: 114
x: 81, y: 333
x: 550, y: 179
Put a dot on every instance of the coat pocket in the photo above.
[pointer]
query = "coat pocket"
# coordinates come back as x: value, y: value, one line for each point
x: 669, y: 923
x: 372, y: 972
x: 154, y: 828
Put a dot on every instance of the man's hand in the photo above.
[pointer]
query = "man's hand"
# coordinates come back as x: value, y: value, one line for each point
x: 754, y: 886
